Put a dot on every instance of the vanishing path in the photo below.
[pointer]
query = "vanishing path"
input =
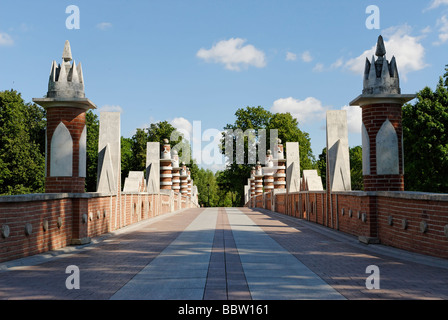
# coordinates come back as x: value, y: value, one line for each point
x: 225, y: 254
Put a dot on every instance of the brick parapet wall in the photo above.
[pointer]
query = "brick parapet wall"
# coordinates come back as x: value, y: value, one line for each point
x: 373, y: 216
x: 60, y: 220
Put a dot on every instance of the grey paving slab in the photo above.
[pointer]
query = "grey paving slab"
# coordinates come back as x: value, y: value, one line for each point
x: 180, y: 271
x: 273, y: 273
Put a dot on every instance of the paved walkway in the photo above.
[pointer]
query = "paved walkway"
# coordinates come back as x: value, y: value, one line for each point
x: 225, y: 254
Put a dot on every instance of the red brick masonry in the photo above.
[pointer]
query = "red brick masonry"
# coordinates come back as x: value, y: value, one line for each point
x: 412, y: 221
x: 59, y: 220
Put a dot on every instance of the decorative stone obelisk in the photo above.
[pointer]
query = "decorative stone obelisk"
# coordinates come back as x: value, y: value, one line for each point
x: 381, y: 102
x: 66, y: 106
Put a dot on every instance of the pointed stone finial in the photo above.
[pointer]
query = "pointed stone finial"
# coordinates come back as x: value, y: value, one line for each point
x: 380, y: 47
x: 67, y: 53
x: 380, y: 76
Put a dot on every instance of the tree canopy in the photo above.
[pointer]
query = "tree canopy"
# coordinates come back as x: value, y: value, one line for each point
x: 425, y: 136
x: 22, y: 145
x: 234, y: 178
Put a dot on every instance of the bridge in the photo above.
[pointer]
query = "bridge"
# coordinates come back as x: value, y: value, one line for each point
x: 292, y: 240
x: 225, y: 254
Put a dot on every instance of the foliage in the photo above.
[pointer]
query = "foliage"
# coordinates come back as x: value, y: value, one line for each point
x: 356, y: 168
x: 93, y: 126
x: 235, y: 176
x: 126, y: 158
x: 288, y: 131
x: 322, y: 167
x: 425, y: 136
x: 22, y: 145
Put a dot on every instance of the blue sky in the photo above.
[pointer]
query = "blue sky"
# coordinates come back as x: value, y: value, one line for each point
x: 187, y: 61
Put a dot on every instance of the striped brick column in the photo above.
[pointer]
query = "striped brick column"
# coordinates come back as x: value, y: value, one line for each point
x: 183, y: 180
x: 166, y: 175
x: 175, y: 171
x: 269, y: 173
x: 280, y: 174
x: 258, y: 180
x: 189, y: 183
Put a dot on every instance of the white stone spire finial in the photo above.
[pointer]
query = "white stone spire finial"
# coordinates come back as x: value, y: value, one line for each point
x: 380, y: 47
x: 66, y: 80
x: 67, y: 53
x: 380, y: 76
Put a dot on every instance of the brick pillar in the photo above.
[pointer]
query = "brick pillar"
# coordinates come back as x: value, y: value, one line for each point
x: 66, y: 140
x: 66, y: 106
x: 376, y: 117
x: 166, y: 175
x: 74, y: 120
x: 382, y: 133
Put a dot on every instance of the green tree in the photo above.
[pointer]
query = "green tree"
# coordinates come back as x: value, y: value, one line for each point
x: 138, y: 150
x: 322, y: 167
x: 288, y: 131
x: 133, y: 150
x: 126, y: 158
x: 356, y: 168
x: 22, y: 145
x: 425, y: 136
x: 93, y: 126
x: 235, y: 176
x: 207, y: 187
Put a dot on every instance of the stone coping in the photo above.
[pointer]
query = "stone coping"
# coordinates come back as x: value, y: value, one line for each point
x: 58, y: 196
x: 411, y: 195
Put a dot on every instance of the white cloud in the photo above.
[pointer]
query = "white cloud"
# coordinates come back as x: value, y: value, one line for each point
x: 426, y: 30
x: 436, y: 3
x: 291, y: 56
x: 442, y: 23
x: 306, y: 57
x: 407, y: 49
x: 5, y: 39
x: 183, y: 126
x: 338, y: 63
x: 104, y: 25
x: 310, y: 109
x: 234, y: 54
x: 319, y: 67
x: 354, y: 118
x: 111, y: 108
